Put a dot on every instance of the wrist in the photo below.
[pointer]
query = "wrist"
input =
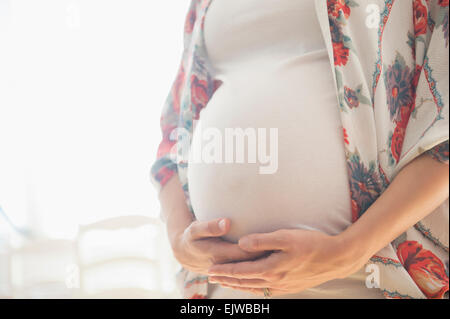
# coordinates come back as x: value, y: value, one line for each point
x: 174, y: 239
x: 354, y: 249
x: 176, y: 225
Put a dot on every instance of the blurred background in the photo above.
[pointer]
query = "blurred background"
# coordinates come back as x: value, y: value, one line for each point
x: 82, y: 85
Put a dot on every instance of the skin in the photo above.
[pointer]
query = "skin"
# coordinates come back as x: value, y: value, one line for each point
x: 197, y: 245
x: 295, y: 260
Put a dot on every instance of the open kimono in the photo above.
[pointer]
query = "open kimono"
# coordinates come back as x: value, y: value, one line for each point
x: 390, y: 65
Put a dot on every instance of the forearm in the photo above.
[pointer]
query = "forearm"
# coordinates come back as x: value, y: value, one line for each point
x: 418, y: 189
x: 174, y: 208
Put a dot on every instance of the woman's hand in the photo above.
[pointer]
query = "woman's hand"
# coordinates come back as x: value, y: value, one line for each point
x: 196, y: 245
x: 199, y: 247
x: 300, y: 259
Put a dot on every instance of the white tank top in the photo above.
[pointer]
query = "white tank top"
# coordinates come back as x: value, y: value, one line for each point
x: 272, y: 59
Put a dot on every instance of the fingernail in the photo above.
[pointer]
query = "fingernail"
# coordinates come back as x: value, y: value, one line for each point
x: 222, y: 224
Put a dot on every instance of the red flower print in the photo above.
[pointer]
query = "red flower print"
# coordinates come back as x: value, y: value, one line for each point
x: 198, y: 296
x: 166, y: 144
x: 336, y: 6
x: 216, y: 84
x: 177, y: 88
x: 365, y: 185
x: 190, y: 21
x: 420, y: 18
x: 355, y: 210
x: 351, y: 97
x: 199, y: 95
x: 394, y: 92
x: 417, y: 72
x: 405, y: 112
x: 340, y: 54
x: 440, y: 152
x: 164, y: 174
x: 425, y: 268
x: 399, y: 82
x: 337, y: 35
x: 443, y: 3
x: 397, y: 141
x: 346, y: 137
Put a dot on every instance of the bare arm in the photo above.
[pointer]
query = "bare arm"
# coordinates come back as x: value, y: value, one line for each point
x: 418, y: 189
x: 174, y: 209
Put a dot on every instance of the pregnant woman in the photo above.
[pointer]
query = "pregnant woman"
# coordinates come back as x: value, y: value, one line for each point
x: 305, y: 87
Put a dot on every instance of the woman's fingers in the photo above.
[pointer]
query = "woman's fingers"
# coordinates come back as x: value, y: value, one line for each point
x: 204, y: 237
x: 278, y: 240
x: 221, y: 251
x: 225, y: 252
x: 248, y: 269
x: 214, y: 228
x: 256, y: 291
x: 248, y: 283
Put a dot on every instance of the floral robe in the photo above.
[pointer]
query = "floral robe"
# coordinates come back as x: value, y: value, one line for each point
x: 389, y: 60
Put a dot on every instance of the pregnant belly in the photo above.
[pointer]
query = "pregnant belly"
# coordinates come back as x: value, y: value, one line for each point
x: 306, y: 185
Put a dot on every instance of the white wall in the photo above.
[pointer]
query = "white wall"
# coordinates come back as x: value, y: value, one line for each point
x: 82, y: 84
